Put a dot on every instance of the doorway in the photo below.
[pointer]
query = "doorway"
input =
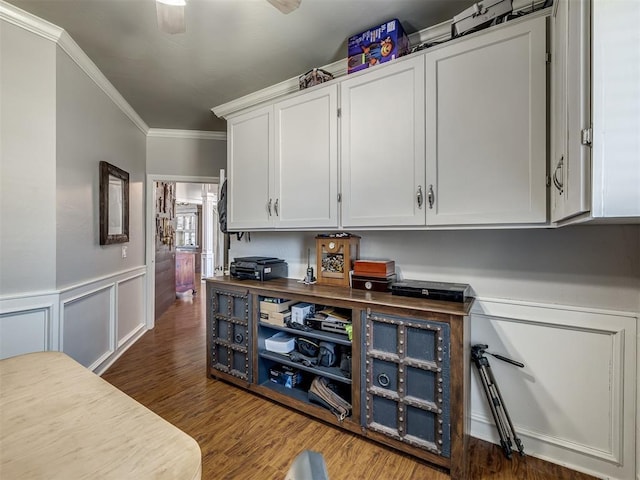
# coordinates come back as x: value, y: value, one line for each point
x: 162, y: 236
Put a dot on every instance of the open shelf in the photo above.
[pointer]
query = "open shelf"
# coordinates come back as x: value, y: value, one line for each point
x: 333, y: 373
x: 318, y: 334
x: 297, y: 393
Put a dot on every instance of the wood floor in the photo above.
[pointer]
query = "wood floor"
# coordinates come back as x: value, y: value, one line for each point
x: 243, y: 436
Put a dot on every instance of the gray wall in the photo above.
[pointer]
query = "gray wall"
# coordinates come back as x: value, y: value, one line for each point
x: 27, y: 162
x: 185, y: 156
x: 588, y: 266
x: 91, y: 128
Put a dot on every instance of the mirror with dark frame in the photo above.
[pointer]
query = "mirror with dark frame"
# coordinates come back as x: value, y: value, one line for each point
x: 114, y: 204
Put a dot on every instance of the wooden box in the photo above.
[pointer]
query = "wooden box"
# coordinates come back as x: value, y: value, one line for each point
x: 373, y: 283
x: 335, y: 258
x: 374, y: 268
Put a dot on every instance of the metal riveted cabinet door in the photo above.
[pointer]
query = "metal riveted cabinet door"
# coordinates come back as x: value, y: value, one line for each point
x: 229, y: 330
x: 405, y: 384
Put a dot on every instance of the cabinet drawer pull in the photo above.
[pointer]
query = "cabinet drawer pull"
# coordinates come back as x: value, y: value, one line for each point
x: 419, y: 196
x: 557, y: 182
x: 383, y: 380
x: 275, y: 207
x: 269, y: 207
x: 431, y: 196
x: 238, y: 338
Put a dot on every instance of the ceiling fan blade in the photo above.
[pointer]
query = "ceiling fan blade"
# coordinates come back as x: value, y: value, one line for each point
x: 285, y: 6
x: 171, y: 17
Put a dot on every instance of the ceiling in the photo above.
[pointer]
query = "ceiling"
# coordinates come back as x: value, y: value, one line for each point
x: 231, y: 47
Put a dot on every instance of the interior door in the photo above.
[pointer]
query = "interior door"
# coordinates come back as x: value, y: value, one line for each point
x: 165, y: 263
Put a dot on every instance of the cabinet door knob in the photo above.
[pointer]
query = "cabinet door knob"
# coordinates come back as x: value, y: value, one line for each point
x: 558, y: 183
x: 275, y: 207
x: 419, y: 196
x: 431, y: 196
x: 238, y: 338
x: 269, y: 207
x: 383, y: 380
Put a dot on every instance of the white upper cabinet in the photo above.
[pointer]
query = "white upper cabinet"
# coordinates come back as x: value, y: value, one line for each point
x: 456, y: 136
x: 616, y: 110
x: 486, y: 128
x: 595, y: 116
x: 570, y: 109
x: 283, y: 164
x: 382, y: 146
x: 250, y: 164
x: 306, y: 160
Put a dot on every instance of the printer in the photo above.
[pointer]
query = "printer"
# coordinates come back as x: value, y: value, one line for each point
x: 258, y: 268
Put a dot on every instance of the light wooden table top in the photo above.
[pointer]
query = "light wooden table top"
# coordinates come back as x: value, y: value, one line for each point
x: 59, y: 420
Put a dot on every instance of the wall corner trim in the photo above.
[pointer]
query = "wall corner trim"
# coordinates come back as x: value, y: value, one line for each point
x: 190, y: 134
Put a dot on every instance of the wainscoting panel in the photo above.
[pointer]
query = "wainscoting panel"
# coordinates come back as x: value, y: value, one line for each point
x: 101, y: 318
x: 88, y: 326
x: 94, y: 322
x: 574, y: 402
x: 28, y: 324
x: 131, y: 310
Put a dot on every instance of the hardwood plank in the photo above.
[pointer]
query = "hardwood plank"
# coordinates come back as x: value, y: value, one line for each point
x: 244, y: 436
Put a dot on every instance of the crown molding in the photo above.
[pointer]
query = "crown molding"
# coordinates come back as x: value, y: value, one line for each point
x: 71, y: 48
x: 29, y: 22
x: 291, y: 85
x: 51, y: 32
x: 191, y: 134
x: 434, y: 33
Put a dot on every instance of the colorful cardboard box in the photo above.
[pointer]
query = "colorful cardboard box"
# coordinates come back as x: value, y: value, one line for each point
x: 376, y: 45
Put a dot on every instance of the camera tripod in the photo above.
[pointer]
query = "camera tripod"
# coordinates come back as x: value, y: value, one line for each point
x: 505, y: 428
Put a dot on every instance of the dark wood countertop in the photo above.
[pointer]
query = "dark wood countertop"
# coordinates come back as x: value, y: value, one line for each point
x: 363, y: 297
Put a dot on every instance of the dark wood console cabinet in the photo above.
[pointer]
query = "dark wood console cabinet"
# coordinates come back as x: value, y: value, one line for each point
x: 410, y: 367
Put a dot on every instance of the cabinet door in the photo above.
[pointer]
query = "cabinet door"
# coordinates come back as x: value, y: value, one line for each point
x: 306, y: 159
x: 228, y: 329
x: 616, y: 109
x: 250, y: 160
x: 486, y: 128
x: 382, y: 146
x: 405, y: 384
x: 570, y: 109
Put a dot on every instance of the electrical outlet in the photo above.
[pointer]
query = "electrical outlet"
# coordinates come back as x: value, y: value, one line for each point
x: 124, y: 252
